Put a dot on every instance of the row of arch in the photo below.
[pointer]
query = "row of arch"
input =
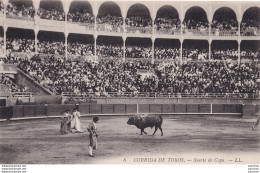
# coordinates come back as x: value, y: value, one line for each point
x: 131, y: 41
x: 141, y: 9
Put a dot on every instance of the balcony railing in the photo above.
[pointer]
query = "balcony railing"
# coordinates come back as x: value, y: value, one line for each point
x: 110, y: 28
x: 20, y: 17
x: 168, y: 31
x: 89, y: 26
x: 158, y: 95
x: 196, y: 32
x: 250, y: 32
x: 139, y: 30
x: 215, y: 32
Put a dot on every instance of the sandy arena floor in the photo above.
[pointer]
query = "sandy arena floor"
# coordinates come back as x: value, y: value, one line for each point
x: 186, y: 137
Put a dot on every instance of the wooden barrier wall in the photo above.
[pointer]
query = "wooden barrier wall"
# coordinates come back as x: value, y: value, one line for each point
x: 23, y: 111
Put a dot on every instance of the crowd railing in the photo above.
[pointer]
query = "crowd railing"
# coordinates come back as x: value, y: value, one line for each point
x: 215, y: 32
x: 21, y: 17
x: 197, y: 32
x: 89, y: 26
x: 157, y: 95
x: 163, y: 31
x: 110, y: 28
x: 139, y: 30
x: 250, y: 32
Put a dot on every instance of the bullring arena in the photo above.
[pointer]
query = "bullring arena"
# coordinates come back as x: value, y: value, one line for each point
x: 194, y: 63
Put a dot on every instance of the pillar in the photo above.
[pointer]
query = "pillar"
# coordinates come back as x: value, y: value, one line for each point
x: 5, y: 31
x: 66, y: 44
x: 182, y: 18
x: 153, y: 39
x: 239, y: 54
x: 181, y: 41
x: 36, y: 30
x: 124, y: 39
x: 210, y: 41
x: 95, y: 45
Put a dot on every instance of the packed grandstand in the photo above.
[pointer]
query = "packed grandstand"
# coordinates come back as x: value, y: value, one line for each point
x: 132, y: 52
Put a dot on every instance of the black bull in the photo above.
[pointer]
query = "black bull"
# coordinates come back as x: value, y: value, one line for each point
x: 143, y: 121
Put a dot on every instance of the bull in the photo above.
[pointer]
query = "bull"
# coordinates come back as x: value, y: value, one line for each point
x: 143, y: 121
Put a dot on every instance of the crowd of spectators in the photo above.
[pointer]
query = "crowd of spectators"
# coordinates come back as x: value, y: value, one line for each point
x: 166, y: 53
x: 210, y: 77
x: 9, y: 84
x: 192, y: 24
x: 110, y: 23
x: 119, y: 77
x: 51, y: 47
x: 167, y: 25
x: 114, y: 51
x: 20, y: 10
x: 51, y: 14
x: 80, y: 49
x: 192, y: 54
x: 138, y: 52
x: 250, y: 54
x: 224, y: 54
x: 135, y: 21
x: 225, y: 25
x: 81, y: 17
x: 20, y: 45
x: 250, y: 27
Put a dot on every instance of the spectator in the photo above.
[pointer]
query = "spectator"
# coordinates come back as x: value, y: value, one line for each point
x: 20, y: 10
x: 166, y: 53
x: 110, y: 23
x: 138, y: 52
x: 224, y: 54
x: 51, y: 47
x: 167, y: 25
x: 51, y: 14
x: 81, y: 17
x: 225, y: 25
x: 109, y: 51
x: 20, y: 45
x: 80, y: 49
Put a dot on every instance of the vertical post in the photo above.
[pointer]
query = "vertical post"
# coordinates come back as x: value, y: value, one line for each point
x: 46, y: 110
x: 211, y: 108
x: 36, y: 40
x: 181, y: 41
x: 5, y: 31
x: 239, y: 29
x: 95, y: 46
x: 153, y: 39
x: 209, y: 58
x: 66, y: 44
x: 239, y: 54
x: 124, y: 39
x: 124, y: 30
x: 137, y: 108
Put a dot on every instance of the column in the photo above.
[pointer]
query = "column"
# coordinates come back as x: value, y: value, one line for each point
x: 210, y: 28
x: 5, y: 31
x: 153, y: 39
x: 124, y: 39
x: 181, y: 41
x: 66, y: 44
x: 239, y: 28
x: 95, y: 46
x: 36, y: 30
x: 210, y: 49
x: 182, y: 19
x: 95, y: 24
x: 124, y: 31
x: 239, y: 54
